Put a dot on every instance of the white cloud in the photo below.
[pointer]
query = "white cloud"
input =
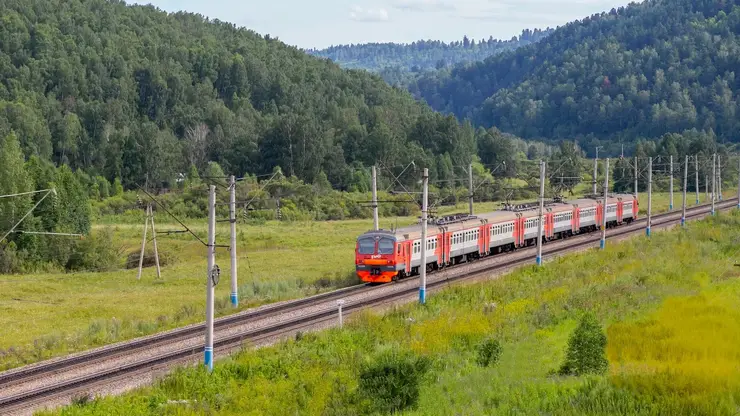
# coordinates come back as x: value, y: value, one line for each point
x: 425, y: 5
x: 362, y: 14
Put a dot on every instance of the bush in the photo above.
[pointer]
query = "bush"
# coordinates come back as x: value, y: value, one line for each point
x: 489, y: 351
x: 391, y: 383
x: 586, y: 349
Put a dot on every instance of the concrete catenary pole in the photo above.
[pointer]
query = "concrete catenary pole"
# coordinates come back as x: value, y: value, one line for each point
x: 685, y: 190
x: 470, y: 187
x: 143, y: 242
x: 714, y: 181
x: 542, y: 210
x: 670, y: 203
x: 596, y: 171
x: 650, y: 197
x: 637, y: 174
x: 719, y: 177
x: 232, y: 246
x: 376, y: 225
x: 606, y: 195
x: 423, y: 265
x: 154, y: 237
x: 696, y: 179
x: 208, y: 351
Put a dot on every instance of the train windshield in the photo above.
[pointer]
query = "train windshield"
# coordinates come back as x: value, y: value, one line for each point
x: 385, y: 246
x: 366, y: 246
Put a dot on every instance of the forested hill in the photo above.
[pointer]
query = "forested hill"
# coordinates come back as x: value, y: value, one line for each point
x: 423, y: 54
x: 132, y: 92
x: 639, y: 71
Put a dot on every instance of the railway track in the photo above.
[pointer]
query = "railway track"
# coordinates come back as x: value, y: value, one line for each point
x: 26, y: 388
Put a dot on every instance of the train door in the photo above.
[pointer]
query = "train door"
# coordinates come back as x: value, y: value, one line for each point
x: 407, y: 252
x: 550, y: 225
x: 599, y: 214
x: 520, y: 234
x: 620, y: 211
x: 483, y: 237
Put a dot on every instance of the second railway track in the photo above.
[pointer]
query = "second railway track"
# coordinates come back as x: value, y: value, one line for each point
x: 27, y: 387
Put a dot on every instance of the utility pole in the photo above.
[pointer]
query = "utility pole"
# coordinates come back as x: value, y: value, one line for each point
x: 542, y: 209
x: 143, y: 241
x: 650, y: 196
x: 685, y: 189
x: 423, y: 265
x: 232, y: 248
x: 606, y: 194
x: 376, y: 225
x: 636, y: 175
x: 208, y: 352
x: 154, y: 237
x: 470, y: 187
x: 670, y: 204
x: 696, y: 167
x: 706, y: 187
x: 714, y: 179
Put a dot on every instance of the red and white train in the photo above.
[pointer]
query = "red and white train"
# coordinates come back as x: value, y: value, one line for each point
x: 384, y: 256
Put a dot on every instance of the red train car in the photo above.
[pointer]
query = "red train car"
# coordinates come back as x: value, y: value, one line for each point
x: 384, y: 256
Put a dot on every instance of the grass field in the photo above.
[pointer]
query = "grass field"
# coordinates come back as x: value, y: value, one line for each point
x: 45, y: 315
x: 670, y: 306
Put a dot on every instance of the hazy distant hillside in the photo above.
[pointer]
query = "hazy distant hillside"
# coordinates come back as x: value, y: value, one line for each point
x: 424, y: 54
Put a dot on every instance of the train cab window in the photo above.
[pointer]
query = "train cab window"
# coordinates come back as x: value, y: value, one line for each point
x: 366, y: 246
x: 385, y: 246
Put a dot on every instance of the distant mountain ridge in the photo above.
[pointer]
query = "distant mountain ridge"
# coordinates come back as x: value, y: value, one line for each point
x: 636, y: 72
x: 423, y: 54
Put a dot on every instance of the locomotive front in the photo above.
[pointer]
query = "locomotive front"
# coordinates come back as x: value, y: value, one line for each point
x: 375, y: 259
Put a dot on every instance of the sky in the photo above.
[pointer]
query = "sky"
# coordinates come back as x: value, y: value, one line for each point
x: 321, y: 23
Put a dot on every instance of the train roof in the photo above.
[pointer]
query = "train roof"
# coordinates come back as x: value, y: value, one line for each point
x: 458, y: 222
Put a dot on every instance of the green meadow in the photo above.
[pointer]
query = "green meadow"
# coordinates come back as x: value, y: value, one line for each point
x: 47, y: 315
x: 669, y: 306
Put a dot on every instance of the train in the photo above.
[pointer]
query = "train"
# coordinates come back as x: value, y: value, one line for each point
x: 385, y: 256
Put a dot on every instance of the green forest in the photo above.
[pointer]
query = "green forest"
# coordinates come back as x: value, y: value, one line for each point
x: 423, y: 54
x: 636, y: 72
x: 134, y: 93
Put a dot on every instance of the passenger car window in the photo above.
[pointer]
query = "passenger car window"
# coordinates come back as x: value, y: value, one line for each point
x: 366, y: 246
x: 385, y: 246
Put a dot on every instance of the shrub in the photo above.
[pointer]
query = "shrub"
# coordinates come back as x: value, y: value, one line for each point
x: 489, y: 351
x: 391, y: 382
x: 586, y: 352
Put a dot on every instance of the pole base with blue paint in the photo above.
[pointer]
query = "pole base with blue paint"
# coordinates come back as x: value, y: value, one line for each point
x: 539, y: 260
x: 422, y: 296
x: 234, y: 299
x: 683, y: 222
x: 697, y: 202
x: 603, y: 244
x: 670, y: 207
x: 208, y: 358
x: 647, y: 231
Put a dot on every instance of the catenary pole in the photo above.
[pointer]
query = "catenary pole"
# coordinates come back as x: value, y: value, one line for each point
x: 596, y: 171
x: 376, y: 225
x: 696, y: 179
x: 423, y: 265
x: 637, y: 174
x: 208, y: 352
x: 670, y: 204
x: 719, y: 177
x: 232, y: 246
x: 606, y: 194
x: 685, y: 190
x: 470, y: 187
x: 542, y: 209
x: 650, y: 197
x: 714, y: 179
